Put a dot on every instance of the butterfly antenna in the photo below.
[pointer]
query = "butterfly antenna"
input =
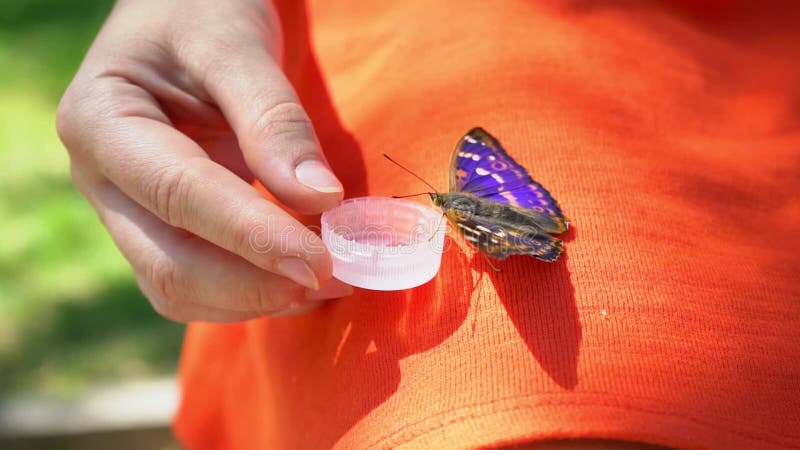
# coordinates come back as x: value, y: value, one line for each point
x: 409, y: 171
x: 411, y: 195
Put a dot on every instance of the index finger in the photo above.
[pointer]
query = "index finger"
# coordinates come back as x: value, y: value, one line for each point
x: 170, y: 175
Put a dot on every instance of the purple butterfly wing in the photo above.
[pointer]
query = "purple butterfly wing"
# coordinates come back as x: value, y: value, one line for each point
x: 481, y: 167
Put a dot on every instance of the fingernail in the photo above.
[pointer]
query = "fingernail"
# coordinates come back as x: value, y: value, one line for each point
x: 315, y: 175
x: 298, y: 271
x: 334, y: 289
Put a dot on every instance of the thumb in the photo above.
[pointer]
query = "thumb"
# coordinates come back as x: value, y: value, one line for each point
x: 274, y: 132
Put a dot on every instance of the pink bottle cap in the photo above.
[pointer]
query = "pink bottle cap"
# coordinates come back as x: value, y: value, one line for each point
x: 384, y: 244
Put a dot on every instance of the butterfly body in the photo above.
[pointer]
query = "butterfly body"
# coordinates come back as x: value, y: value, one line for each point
x: 495, y: 204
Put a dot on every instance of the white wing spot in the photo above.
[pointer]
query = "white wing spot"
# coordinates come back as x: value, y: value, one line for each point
x: 470, y: 139
x: 492, y: 158
x: 510, y: 197
x: 481, y: 171
x: 498, y: 178
x: 476, y: 157
x: 483, y: 228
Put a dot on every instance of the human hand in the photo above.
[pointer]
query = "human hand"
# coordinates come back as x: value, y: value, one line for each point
x: 175, y: 105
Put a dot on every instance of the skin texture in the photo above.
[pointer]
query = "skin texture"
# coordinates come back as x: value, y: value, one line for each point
x: 175, y: 106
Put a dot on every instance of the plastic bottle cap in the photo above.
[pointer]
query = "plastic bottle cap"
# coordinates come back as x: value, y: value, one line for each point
x: 384, y: 244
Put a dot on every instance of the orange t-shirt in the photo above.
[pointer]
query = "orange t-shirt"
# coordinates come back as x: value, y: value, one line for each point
x: 670, y: 134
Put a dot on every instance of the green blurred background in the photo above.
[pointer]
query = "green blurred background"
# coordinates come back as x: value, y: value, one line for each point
x: 70, y: 312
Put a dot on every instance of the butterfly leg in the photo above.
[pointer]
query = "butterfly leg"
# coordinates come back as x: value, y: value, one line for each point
x: 441, y: 219
x: 491, y: 264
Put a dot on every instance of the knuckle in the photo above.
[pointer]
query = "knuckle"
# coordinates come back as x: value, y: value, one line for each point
x: 64, y: 123
x: 182, y: 43
x: 83, y: 114
x: 211, y: 54
x: 168, y: 190
x: 163, y: 279
x: 286, y: 119
x: 164, y: 306
x: 74, y: 120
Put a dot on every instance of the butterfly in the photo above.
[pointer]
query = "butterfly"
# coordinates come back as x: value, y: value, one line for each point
x: 496, y: 205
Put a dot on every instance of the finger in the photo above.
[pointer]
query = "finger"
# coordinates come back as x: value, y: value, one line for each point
x: 189, y: 279
x: 185, y: 312
x: 274, y: 132
x: 171, y: 176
